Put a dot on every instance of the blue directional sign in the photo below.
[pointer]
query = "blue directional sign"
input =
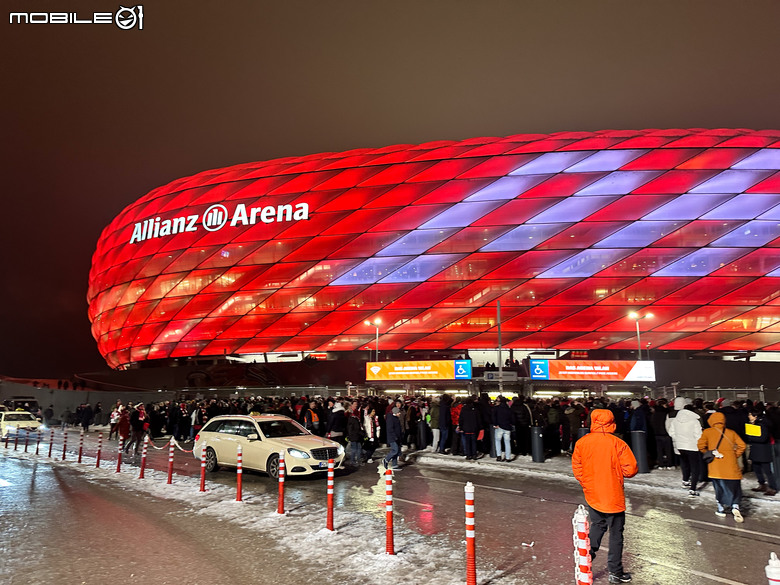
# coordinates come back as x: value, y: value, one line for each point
x: 540, y: 370
x: 463, y: 369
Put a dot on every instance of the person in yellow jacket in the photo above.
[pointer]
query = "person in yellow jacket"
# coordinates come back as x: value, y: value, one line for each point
x: 600, y: 462
x: 724, y: 470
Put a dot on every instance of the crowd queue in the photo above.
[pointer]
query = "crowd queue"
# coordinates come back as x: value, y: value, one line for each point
x: 678, y: 434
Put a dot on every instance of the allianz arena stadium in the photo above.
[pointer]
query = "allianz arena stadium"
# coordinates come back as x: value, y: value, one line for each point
x: 569, y: 232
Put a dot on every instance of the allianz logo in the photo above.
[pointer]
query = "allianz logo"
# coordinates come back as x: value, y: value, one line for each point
x: 215, y: 218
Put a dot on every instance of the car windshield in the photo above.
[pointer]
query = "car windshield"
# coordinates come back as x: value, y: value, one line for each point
x: 281, y: 428
x: 18, y: 416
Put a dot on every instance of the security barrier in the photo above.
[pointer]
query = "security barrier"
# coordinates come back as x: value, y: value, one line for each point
x: 100, y: 450
x: 583, y: 573
x: 471, y: 548
x: 329, y: 524
x: 282, y: 471
x: 81, y: 445
x: 203, y: 467
x: 389, y: 538
x: 144, y: 452
x: 239, y: 472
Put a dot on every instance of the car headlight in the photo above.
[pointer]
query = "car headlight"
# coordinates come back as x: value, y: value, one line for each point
x: 43, y: 428
x: 298, y: 453
x: 340, y: 450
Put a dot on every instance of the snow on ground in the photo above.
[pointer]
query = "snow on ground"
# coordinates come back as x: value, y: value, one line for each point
x: 667, y: 482
x: 358, y: 541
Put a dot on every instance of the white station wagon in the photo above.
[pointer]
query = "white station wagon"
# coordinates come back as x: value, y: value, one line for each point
x: 262, y: 437
x: 18, y: 422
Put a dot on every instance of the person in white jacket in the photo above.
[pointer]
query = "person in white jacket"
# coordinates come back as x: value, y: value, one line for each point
x: 685, y: 430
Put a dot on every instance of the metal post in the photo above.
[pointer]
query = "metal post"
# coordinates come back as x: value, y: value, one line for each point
x: 239, y: 472
x: 38, y: 443
x: 143, y: 456
x: 64, y: 443
x: 389, y: 540
x: 471, y: 552
x: 81, y: 444
x: 638, y: 341
x: 203, y: 468
x: 170, y: 460
x: 583, y: 573
x: 119, y: 455
x: 500, y: 360
x: 329, y: 524
x: 100, y: 449
x: 51, y: 442
x: 282, y: 472
x: 377, y: 342
x: 26, y: 440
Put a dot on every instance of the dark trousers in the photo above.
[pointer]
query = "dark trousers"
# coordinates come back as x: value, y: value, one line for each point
x: 691, y: 466
x: 600, y: 522
x: 764, y: 472
x: 470, y: 444
x: 664, y: 450
x: 445, y: 434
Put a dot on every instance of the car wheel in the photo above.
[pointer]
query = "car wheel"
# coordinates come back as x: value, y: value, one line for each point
x: 272, y: 467
x: 211, y: 460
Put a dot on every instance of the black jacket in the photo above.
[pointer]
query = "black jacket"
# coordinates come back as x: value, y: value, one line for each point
x: 470, y: 421
x: 502, y: 416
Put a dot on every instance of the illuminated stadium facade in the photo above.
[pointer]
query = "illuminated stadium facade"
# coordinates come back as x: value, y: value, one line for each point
x: 569, y: 231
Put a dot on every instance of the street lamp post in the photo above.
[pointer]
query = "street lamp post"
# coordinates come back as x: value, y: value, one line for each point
x: 637, y: 318
x: 376, y: 324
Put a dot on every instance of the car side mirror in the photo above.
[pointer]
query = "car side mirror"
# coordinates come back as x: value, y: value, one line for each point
x: 253, y: 437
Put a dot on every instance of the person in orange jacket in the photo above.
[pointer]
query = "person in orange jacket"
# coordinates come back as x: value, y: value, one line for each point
x: 600, y: 463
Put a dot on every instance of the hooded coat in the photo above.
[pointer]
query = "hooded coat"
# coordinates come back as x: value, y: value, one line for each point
x: 732, y: 446
x: 685, y: 430
x: 600, y: 463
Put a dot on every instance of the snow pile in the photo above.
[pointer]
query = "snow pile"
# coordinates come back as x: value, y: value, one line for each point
x: 358, y: 541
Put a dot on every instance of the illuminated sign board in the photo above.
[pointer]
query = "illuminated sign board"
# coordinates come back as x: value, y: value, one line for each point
x: 603, y: 371
x: 428, y: 370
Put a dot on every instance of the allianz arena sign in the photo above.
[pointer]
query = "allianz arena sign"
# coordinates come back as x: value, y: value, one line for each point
x: 570, y: 232
x: 215, y: 218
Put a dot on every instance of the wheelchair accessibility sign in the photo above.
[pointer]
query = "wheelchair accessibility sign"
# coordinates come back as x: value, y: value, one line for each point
x: 540, y: 370
x: 463, y: 369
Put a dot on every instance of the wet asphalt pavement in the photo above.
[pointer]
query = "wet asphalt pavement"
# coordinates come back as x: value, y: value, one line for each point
x: 57, y: 528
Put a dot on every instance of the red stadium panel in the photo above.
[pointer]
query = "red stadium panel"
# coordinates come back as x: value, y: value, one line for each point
x: 568, y: 231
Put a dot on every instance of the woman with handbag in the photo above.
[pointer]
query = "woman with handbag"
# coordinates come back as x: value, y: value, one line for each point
x: 722, y: 448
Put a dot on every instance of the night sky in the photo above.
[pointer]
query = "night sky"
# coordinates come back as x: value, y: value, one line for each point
x: 94, y: 117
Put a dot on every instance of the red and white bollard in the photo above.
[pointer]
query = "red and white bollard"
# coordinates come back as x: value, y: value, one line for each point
x: 329, y: 524
x: 64, y: 443
x: 471, y: 548
x: 583, y: 573
x: 170, y: 460
x: 38, y: 444
x: 81, y: 445
x: 100, y: 449
x: 26, y: 440
x: 7, y: 436
x: 239, y: 471
x: 143, y: 456
x: 119, y: 457
x: 16, y: 440
x: 282, y: 471
x: 203, y: 468
x: 51, y: 442
x: 389, y: 540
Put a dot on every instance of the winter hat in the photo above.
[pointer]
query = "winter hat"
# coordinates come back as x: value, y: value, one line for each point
x: 724, y: 402
x: 396, y: 410
x: 680, y: 402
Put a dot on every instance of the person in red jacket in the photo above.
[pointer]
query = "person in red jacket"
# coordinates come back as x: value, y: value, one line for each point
x: 600, y: 463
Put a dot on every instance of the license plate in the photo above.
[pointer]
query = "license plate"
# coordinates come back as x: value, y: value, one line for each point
x: 323, y: 464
